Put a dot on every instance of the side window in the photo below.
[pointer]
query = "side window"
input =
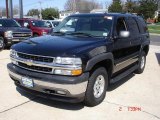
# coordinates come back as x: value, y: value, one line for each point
x: 49, y: 24
x: 142, y: 25
x: 133, y: 26
x: 20, y: 22
x: 121, y: 25
x: 25, y: 24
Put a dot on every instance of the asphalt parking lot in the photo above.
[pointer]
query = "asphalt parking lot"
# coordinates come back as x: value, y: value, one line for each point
x: 136, y: 97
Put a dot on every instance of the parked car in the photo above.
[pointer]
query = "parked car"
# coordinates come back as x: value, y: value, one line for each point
x: 11, y: 32
x: 85, y: 54
x: 38, y: 27
x: 52, y: 23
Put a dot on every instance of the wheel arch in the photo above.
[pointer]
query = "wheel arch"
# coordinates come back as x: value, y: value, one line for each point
x: 105, y: 60
x: 146, y: 49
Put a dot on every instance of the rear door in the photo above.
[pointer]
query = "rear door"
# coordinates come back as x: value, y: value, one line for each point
x: 135, y: 36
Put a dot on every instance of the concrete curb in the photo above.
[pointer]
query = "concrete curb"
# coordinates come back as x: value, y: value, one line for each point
x: 154, y: 34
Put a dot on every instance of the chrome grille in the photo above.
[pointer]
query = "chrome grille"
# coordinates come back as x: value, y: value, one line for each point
x: 35, y: 58
x: 36, y: 63
x: 21, y: 35
x: 35, y: 68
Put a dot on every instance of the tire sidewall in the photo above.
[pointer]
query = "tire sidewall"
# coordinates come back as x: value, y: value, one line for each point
x: 90, y: 88
x: 140, y: 70
x: 1, y: 39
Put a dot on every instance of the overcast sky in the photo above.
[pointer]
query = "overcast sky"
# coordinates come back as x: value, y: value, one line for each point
x: 29, y: 4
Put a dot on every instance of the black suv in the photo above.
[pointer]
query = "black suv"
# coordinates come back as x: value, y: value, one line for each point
x: 11, y: 32
x: 83, y: 56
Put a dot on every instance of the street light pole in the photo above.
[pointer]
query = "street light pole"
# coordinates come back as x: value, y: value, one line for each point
x: 7, y: 15
x: 21, y: 8
x: 40, y: 9
x: 10, y: 9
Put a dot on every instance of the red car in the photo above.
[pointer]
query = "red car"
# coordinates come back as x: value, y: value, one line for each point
x: 38, y: 27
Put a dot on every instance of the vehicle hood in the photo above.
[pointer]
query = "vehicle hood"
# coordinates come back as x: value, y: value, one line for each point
x: 15, y: 29
x: 43, y: 29
x: 58, y: 45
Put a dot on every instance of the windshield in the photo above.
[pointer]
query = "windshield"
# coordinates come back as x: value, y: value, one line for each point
x: 95, y: 26
x: 38, y: 23
x: 8, y: 23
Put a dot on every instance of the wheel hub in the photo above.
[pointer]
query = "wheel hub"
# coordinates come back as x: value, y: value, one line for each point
x: 142, y: 62
x: 99, y: 86
x: 1, y: 43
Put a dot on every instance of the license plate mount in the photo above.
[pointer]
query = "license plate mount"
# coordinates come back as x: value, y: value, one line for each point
x: 28, y: 82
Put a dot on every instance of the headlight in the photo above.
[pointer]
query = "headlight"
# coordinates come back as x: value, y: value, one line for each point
x: 75, y: 65
x: 44, y: 33
x: 68, y: 61
x: 13, y: 53
x: 8, y: 34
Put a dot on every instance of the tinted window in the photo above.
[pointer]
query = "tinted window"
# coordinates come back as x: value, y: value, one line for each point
x: 96, y: 26
x: 142, y: 25
x: 20, y: 22
x: 55, y: 23
x: 121, y: 25
x: 38, y: 23
x: 8, y: 23
x: 133, y: 28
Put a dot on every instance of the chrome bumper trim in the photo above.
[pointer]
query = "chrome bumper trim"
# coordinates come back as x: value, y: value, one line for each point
x: 73, y: 89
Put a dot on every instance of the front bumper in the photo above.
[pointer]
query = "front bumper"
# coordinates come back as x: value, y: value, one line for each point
x: 10, y: 41
x: 47, y: 85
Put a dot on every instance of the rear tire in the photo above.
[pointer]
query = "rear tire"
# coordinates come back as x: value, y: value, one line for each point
x: 2, y: 43
x: 142, y: 63
x: 96, y: 89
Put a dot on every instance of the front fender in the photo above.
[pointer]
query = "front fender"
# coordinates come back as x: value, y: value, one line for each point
x: 101, y: 57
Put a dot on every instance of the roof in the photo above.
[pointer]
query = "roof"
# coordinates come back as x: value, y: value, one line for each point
x: 25, y: 19
x: 102, y: 14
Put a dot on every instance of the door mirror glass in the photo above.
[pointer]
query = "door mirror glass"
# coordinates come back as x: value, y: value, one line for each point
x: 124, y: 34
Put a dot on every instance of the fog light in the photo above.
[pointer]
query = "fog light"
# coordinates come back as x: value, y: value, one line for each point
x: 61, y: 92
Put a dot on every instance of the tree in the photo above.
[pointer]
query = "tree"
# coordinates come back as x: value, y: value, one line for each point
x: 82, y: 6
x: 116, y: 6
x: 148, y: 8
x: 131, y: 6
x: 50, y: 13
x: 33, y: 12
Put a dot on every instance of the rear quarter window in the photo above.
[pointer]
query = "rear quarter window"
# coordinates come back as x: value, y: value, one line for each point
x: 133, y: 26
x: 142, y: 25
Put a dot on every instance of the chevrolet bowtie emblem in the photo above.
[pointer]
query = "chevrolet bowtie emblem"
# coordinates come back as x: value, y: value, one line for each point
x: 29, y: 62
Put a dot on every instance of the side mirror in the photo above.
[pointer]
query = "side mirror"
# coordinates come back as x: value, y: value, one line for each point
x: 124, y: 34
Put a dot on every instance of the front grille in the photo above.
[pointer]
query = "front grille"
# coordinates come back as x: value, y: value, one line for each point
x: 35, y: 68
x: 35, y: 58
x: 21, y: 35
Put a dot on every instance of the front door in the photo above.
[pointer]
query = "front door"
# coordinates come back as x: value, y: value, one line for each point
x: 123, y: 53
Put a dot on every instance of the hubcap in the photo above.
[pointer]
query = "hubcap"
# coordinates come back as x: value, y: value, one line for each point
x: 1, y: 43
x: 99, y: 86
x: 142, y: 62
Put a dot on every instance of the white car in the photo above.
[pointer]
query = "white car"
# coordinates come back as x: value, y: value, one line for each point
x: 53, y: 23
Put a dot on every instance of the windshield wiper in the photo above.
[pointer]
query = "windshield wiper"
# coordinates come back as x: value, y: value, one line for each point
x: 58, y: 33
x: 81, y: 34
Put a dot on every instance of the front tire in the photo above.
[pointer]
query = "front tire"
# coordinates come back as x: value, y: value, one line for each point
x: 96, y: 89
x: 142, y: 63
